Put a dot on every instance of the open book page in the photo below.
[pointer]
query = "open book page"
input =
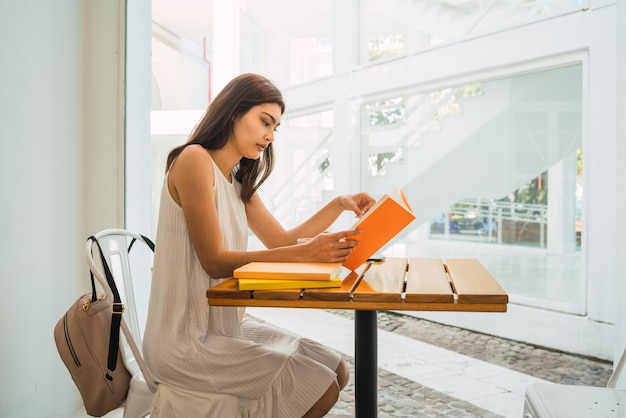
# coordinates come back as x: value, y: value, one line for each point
x: 389, y: 215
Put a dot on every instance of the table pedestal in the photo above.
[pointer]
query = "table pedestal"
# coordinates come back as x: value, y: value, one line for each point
x: 366, y: 364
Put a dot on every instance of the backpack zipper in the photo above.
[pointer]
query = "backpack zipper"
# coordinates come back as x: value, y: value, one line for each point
x: 69, y: 342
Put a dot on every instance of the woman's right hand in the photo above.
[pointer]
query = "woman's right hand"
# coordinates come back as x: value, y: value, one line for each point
x: 330, y: 247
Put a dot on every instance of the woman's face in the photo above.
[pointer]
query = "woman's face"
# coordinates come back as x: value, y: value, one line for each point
x: 254, y: 131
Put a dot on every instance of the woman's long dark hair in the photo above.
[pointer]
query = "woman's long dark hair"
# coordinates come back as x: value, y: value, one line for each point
x: 238, y: 96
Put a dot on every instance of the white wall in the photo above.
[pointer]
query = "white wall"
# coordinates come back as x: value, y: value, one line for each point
x: 60, y: 180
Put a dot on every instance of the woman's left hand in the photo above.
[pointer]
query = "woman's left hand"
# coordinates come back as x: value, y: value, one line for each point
x: 358, y: 203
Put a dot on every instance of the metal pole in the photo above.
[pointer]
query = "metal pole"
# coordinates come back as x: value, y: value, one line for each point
x: 366, y: 364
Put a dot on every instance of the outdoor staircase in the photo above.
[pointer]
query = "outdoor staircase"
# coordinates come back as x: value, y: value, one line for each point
x: 469, y: 157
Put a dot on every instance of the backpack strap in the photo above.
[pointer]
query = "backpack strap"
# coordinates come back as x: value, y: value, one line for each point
x: 147, y: 240
x: 117, y: 309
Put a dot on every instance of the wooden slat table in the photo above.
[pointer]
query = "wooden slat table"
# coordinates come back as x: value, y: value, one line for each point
x: 415, y: 284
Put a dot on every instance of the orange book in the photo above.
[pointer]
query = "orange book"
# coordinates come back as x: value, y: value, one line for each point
x: 389, y: 215
x: 288, y: 271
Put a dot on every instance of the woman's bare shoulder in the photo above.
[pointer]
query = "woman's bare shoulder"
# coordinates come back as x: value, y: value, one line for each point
x: 193, y: 157
x: 195, y: 151
x: 192, y: 168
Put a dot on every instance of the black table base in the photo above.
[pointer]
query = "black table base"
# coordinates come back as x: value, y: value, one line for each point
x: 366, y: 364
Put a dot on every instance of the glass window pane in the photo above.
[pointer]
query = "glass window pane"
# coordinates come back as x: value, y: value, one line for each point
x: 495, y: 163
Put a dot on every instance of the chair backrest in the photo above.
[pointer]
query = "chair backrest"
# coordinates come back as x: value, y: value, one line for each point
x: 115, y: 244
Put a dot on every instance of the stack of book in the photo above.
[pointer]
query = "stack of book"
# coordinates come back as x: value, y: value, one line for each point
x: 267, y: 275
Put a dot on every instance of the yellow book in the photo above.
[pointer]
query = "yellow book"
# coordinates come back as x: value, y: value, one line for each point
x: 288, y: 271
x: 274, y: 284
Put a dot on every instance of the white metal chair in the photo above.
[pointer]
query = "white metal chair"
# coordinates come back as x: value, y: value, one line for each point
x: 115, y: 244
x: 546, y: 400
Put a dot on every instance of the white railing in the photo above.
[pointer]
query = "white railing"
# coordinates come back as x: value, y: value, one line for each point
x: 495, y: 221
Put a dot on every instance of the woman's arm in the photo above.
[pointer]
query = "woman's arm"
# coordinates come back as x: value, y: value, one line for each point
x: 272, y: 234
x: 191, y: 184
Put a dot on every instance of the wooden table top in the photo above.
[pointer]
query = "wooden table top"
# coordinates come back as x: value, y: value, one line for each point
x: 417, y: 284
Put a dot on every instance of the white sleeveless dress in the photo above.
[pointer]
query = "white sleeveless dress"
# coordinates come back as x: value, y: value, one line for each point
x: 199, y: 354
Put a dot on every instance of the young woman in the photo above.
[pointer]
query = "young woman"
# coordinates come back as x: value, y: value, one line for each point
x: 208, y: 203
